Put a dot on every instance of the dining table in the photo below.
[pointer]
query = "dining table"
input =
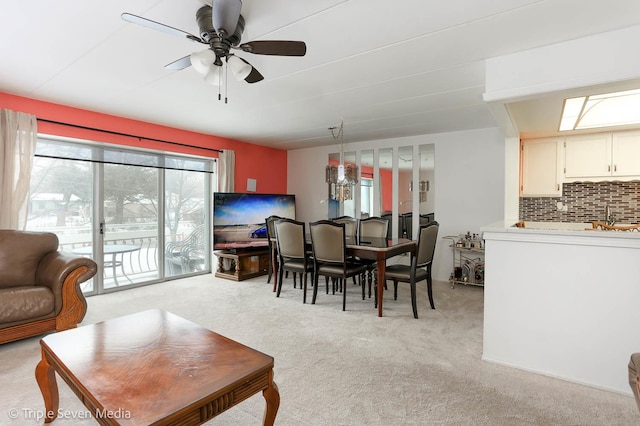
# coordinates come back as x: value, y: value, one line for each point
x: 372, y: 248
x: 379, y: 249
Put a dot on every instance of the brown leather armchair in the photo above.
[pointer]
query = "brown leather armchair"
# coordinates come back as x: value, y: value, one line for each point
x: 634, y: 376
x: 39, y: 285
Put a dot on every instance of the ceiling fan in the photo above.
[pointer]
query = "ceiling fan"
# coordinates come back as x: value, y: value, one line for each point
x: 221, y: 26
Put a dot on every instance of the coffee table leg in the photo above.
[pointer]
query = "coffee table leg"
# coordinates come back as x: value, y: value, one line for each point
x: 272, y: 397
x: 46, y: 378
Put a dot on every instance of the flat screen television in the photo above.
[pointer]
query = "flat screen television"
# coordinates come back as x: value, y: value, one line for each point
x: 239, y: 218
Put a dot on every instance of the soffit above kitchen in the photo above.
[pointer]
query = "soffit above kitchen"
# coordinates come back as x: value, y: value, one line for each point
x: 390, y: 70
x: 541, y: 116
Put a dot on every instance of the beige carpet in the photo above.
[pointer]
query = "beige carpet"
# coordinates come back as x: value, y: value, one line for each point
x: 343, y: 368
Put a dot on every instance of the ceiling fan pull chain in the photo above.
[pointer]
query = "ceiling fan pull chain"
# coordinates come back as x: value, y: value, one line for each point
x: 222, y: 70
x: 226, y: 80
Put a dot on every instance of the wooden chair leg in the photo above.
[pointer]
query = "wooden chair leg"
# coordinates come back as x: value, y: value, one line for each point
x: 344, y: 294
x: 280, y: 274
x: 395, y: 290
x: 413, y: 299
x: 315, y: 289
x: 430, y: 287
x: 304, y: 288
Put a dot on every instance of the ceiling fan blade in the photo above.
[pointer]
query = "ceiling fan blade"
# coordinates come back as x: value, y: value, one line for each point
x: 254, y: 76
x: 134, y: 19
x: 179, y: 64
x: 275, y: 47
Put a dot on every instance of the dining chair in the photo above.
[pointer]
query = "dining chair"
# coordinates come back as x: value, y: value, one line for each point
x: 372, y: 227
x: 420, y: 268
x: 292, y: 253
x: 388, y: 217
x: 329, y: 248
x: 350, y: 225
x: 273, y: 249
x: 407, y: 225
x: 350, y: 230
x: 426, y: 218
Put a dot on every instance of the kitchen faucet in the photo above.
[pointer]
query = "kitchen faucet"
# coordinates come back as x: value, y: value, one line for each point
x: 610, y: 219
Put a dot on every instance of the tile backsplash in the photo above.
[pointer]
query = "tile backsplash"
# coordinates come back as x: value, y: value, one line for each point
x: 586, y: 202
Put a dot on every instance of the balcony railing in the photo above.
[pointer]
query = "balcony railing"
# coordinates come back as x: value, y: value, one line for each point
x: 131, y: 252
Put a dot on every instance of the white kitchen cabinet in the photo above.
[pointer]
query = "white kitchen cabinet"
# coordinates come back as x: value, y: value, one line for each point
x: 625, y: 154
x: 588, y: 156
x: 601, y: 156
x: 541, y: 167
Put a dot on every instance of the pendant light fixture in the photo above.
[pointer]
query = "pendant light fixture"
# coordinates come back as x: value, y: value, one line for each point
x: 342, y: 177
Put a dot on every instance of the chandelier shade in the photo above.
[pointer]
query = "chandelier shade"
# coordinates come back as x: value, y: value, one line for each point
x: 341, y: 189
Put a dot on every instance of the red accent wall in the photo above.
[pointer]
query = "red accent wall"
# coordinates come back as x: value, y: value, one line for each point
x: 386, y: 180
x: 267, y: 165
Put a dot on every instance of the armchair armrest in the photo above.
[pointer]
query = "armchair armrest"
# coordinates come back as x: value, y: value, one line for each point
x: 63, y: 273
x: 634, y: 376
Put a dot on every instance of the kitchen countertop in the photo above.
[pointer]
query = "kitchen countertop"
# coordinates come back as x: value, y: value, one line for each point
x: 568, y: 229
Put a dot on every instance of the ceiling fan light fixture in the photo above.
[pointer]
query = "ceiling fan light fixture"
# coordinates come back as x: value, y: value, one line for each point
x: 214, y: 76
x: 239, y: 68
x: 220, y: 27
x: 225, y: 16
x: 201, y: 61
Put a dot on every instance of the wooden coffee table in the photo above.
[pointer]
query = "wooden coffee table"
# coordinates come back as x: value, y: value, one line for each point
x: 153, y: 367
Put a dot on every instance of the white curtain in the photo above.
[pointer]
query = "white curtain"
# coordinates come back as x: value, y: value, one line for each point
x: 226, y: 170
x: 18, y: 136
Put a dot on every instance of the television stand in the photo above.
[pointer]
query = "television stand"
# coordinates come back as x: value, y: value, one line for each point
x: 244, y: 263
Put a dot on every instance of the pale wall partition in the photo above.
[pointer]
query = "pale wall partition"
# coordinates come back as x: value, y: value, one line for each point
x: 562, y: 303
x: 469, y: 175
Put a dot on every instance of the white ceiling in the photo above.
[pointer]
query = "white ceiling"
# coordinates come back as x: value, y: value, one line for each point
x: 390, y: 69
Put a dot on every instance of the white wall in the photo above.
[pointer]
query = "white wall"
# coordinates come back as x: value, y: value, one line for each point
x: 468, y: 191
x: 589, y: 61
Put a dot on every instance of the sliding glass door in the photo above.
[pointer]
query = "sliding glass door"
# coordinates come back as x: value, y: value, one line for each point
x: 61, y: 202
x: 186, y: 222
x: 140, y: 223
x: 130, y: 230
